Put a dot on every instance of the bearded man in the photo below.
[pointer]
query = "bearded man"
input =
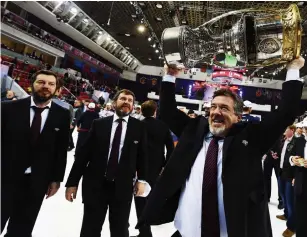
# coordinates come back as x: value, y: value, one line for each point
x: 114, y: 152
x: 35, y: 133
x: 212, y: 185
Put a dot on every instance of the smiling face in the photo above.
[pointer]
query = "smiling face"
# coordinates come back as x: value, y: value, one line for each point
x: 124, y: 105
x: 222, y: 115
x: 44, y: 88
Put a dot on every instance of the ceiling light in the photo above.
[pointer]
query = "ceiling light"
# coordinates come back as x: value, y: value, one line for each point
x: 135, y: 61
x: 127, y: 34
x: 115, y: 45
x: 149, y: 38
x: 85, y: 20
x: 108, y: 38
x: 184, y: 22
x: 266, y: 72
x: 157, y: 51
x: 127, y: 48
x: 154, y: 45
x: 180, y: 8
x: 158, y: 19
x: 74, y: 10
x: 141, y: 28
x: 149, y: 59
x: 142, y: 4
x: 133, y: 15
x: 100, y: 32
x: 159, y: 5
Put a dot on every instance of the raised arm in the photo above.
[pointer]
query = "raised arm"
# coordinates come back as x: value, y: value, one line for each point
x: 173, y: 117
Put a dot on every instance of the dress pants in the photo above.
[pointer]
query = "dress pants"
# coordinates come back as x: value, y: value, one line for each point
x: 176, y: 234
x: 287, y: 195
x: 71, y: 144
x: 268, y: 166
x: 301, y: 214
x: 21, y: 209
x: 140, y: 203
x: 119, y: 212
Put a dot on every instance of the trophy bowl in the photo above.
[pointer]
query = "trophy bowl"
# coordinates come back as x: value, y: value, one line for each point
x: 260, y: 37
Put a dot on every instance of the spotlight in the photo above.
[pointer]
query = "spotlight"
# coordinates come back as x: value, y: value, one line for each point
x: 127, y: 34
x: 154, y: 45
x: 149, y: 39
x: 159, y: 19
x: 108, y: 38
x: 157, y: 51
x: 73, y: 10
x: 159, y: 5
x: 85, y: 20
x: 100, y: 32
x: 149, y: 59
x: 141, y: 28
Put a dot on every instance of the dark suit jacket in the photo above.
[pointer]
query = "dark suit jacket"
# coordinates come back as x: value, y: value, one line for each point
x: 158, y: 136
x: 246, y: 208
x: 287, y: 172
x: 92, y: 158
x: 48, y: 160
x: 300, y: 185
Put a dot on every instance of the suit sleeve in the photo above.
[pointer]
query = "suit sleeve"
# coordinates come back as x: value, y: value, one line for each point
x: 173, y: 117
x: 82, y: 158
x: 142, y: 156
x: 61, y: 149
x: 169, y: 145
x: 264, y: 134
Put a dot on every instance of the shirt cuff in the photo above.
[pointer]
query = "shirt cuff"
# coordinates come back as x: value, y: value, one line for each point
x: 293, y: 74
x: 147, y: 188
x: 290, y: 160
x: 169, y: 78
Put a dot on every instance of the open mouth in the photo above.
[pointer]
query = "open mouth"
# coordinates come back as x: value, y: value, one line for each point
x: 218, y: 121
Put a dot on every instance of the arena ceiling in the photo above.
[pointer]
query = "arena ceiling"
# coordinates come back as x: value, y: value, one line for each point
x: 125, y: 17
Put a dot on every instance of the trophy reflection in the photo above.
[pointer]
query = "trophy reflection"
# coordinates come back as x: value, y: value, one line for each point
x: 260, y: 37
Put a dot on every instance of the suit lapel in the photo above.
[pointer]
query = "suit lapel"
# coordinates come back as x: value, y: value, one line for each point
x: 108, y: 129
x: 128, y: 137
x: 24, y: 111
x: 50, y: 119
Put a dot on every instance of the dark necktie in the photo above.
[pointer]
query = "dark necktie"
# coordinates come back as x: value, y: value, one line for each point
x: 210, y: 215
x: 113, y: 159
x: 36, y: 124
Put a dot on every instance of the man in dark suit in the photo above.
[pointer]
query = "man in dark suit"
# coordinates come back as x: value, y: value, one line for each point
x: 285, y: 178
x: 34, y: 143
x: 272, y: 162
x: 158, y: 137
x: 213, y: 182
x: 300, y: 186
x: 113, y: 153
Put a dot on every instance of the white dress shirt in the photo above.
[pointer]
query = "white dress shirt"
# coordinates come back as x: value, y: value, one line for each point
x: 189, y: 212
x: 283, y: 151
x: 188, y: 215
x: 44, y: 115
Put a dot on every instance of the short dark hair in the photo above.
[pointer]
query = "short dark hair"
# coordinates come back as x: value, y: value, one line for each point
x: 238, y: 102
x: 45, y: 72
x: 125, y: 92
x: 149, y: 108
x: 246, y: 109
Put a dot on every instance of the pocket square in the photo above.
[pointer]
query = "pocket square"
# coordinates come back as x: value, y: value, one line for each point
x: 136, y: 142
x: 57, y: 129
x: 245, y: 142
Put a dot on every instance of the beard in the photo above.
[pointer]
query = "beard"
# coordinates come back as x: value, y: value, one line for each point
x: 38, y: 98
x: 217, y: 131
x: 121, y: 113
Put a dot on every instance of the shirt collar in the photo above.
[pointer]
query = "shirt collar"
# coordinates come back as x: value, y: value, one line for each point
x: 289, y: 139
x: 33, y: 103
x: 210, y: 136
x: 126, y: 118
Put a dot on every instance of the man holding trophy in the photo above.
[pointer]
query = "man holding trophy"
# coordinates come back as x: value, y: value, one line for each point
x: 213, y: 184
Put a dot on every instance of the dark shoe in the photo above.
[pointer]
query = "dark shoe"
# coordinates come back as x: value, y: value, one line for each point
x: 288, y: 233
x: 281, y: 217
x: 280, y: 206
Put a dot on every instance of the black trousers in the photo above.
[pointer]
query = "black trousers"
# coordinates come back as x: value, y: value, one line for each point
x: 176, y: 234
x: 21, y: 209
x: 268, y: 166
x: 119, y: 211
x: 71, y: 144
x: 140, y: 202
x: 301, y: 214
